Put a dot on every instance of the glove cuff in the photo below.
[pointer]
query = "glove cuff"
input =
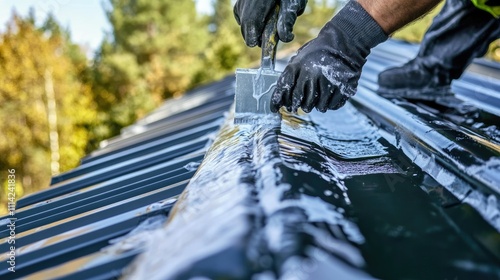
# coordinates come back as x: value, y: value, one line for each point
x: 359, y: 26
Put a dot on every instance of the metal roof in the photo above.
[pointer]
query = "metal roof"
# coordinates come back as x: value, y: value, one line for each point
x: 381, y: 188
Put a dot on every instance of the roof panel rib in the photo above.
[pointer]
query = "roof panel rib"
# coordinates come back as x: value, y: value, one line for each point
x: 381, y: 188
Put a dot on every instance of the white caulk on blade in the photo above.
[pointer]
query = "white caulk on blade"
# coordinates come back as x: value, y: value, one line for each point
x: 254, y: 87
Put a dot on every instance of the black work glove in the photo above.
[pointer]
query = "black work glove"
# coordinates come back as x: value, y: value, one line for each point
x: 326, y: 70
x: 252, y: 16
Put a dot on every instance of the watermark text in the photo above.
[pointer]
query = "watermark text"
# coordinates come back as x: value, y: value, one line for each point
x: 11, y: 220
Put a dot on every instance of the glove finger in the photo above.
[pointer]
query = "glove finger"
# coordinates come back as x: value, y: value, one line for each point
x: 301, y: 6
x: 276, y: 99
x: 289, y: 11
x: 282, y: 91
x: 236, y: 14
x: 310, y: 96
x: 327, y: 92
x: 286, y: 20
x: 337, y: 101
x: 287, y: 99
x: 252, y: 33
x: 252, y: 17
x: 299, y: 91
x: 341, y: 103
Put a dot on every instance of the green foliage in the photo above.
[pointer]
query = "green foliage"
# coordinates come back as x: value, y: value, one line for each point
x: 165, y: 38
x: 226, y: 48
x: 494, y: 51
x: 31, y: 59
x: 316, y: 15
x: 157, y: 49
x: 153, y: 53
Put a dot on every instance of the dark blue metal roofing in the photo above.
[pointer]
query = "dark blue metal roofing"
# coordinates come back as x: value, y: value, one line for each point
x: 381, y: 188
x: 117, y: 187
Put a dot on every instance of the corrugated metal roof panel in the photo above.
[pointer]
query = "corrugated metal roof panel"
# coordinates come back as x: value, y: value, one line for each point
x: 339, y: 190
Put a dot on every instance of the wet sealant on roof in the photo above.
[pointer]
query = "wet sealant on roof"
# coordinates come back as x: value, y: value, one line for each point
x: 380, y: 188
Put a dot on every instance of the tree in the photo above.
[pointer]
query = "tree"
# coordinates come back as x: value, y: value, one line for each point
x: 152, y: 54
x: 40, y: 92
x: 308, y: 25
x: 226, y: 48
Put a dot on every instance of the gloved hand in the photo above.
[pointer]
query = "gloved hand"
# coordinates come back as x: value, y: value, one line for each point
x: 252, y: 16
x: 326, y: 70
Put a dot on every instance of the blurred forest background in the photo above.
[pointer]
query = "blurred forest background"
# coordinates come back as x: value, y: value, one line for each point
x: 58, y: 104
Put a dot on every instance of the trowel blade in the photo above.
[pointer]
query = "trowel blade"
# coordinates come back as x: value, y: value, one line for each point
x: 254, y: 89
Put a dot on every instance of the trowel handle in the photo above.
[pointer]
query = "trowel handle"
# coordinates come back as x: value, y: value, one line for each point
x: 270, y: 41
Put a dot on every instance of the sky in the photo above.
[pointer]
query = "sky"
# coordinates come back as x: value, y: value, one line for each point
x: 85, y: 19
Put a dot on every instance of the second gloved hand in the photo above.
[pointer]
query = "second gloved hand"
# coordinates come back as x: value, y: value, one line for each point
x: 252, y: 16
x: 326, y: 70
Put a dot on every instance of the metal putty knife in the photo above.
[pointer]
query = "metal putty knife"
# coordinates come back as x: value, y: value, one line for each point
x: 254, y: 87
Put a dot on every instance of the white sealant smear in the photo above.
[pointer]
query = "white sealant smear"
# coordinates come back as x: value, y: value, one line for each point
x: 487, y: 206
x: 217, y: 193
x: 161, y: 204
x: 489, y: 171
x: 258, y: 87
x: 253, y: 119
x: 320, y: 265
x: 4, y: 222
x: 319, y: 211
x: 330, y: 72
x: 469, y: 265
x: 316, y: 209
x: 345, y: 124
x: 192, y: 166
x: 336, y: 246
x: 136, y: 238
